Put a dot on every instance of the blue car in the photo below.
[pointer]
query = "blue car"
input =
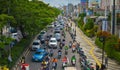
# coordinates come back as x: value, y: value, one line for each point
x: 39, y: 55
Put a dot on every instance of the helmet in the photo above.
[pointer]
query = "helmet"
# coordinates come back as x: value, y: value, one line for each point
x: 43, y: 62
x: 63, y: 39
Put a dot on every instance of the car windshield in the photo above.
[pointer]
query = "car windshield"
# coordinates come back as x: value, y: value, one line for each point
x: 42, y: 33
x: 57, y: 31
x: 52, y: 40
x: 35, y: 43
x: 38, y: 52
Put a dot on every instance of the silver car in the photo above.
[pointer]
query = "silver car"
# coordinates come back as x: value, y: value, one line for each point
x: 58, y: 36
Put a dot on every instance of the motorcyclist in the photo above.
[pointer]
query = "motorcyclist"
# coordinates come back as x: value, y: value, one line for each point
x: 51, y: 52
x: 73, y: 58
x: 79, y: 50
x: 47, y: 58
x: 44, y: 64
x: 70, y: 44
x: 65, y: 59
x: 77, y: 45
x: 60, y: 45
x: 73, y: 48
x: 54, y: 60
x: 54, y: 63
x: 59, y: 53
x: 63, y: 42
x: 66, y: 49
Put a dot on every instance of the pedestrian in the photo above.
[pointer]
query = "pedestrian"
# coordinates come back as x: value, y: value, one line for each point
x: 97, y: 66
x: 23, y: 59
x: 106, y: 61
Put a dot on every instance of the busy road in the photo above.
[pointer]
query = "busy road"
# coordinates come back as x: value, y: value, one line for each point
x: 37, y: 65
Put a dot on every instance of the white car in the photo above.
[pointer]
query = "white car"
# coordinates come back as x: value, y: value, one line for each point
x: 36, y: 45
x: 53, y: 42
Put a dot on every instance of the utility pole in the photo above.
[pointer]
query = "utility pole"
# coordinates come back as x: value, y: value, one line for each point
x: 113, y: 18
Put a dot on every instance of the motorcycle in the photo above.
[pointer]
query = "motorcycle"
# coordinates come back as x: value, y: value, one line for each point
x: 45, y: 66
x: 70, y: 45
x: 60, y: 45
x: 59, y: 55
x: 51, y: 54
x: 73, y: 62
x: 66, y: 52
x: 64, y: 64
x: 54, y: 66
x: 73, y: 49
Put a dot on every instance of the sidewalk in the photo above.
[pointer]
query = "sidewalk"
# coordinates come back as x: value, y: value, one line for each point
x: 92, y: 51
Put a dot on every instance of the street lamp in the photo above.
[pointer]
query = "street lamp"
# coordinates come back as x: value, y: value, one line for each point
x: 102, y: 39
x: 113, y: 18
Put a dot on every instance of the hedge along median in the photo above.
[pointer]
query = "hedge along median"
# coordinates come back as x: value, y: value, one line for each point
x: 18, y: 49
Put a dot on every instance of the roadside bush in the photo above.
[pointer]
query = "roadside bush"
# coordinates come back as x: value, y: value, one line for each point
x: 89, y: 25
x: 110, y: 47
x: 90, y: 33
x: 103, y: 33
x: 95, y: 28
x: 80, y: 22
x: 98, y: 43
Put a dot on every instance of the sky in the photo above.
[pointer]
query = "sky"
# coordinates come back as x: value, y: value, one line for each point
x: 58, y: 3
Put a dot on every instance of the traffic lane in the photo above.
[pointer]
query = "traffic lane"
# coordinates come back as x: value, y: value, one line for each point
x: 37, y: 65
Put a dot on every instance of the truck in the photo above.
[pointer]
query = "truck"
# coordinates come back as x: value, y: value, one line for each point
x: 70, y: 68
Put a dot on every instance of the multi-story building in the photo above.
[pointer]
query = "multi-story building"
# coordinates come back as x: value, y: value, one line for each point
x: 105, y: 3
x: 70, y: 8
x: 93, y: 3
x: 109, y: 4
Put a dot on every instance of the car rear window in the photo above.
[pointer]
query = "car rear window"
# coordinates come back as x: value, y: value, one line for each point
x: 38, y: 52
x: 35, y: 43
x: 52, y: 40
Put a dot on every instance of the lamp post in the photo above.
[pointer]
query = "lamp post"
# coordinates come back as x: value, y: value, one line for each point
x: 113, y: 18
x: 102, y: 39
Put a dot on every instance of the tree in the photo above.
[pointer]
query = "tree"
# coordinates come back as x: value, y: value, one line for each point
x: 89, y: 25
x: 5, y: 20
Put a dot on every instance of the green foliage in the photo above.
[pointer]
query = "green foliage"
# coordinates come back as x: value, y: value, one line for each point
x: 80, y: 20
x: 82, y: 15
x: 110, y: 43
x: 90, y: 33
x: 29, y: 17
x: 4, y: 18
x: 89, y: 25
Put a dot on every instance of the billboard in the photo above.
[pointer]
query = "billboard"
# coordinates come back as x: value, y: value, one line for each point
x: 83, y: 2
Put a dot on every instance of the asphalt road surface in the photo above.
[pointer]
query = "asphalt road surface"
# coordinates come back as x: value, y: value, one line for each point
x: 37, y: 65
